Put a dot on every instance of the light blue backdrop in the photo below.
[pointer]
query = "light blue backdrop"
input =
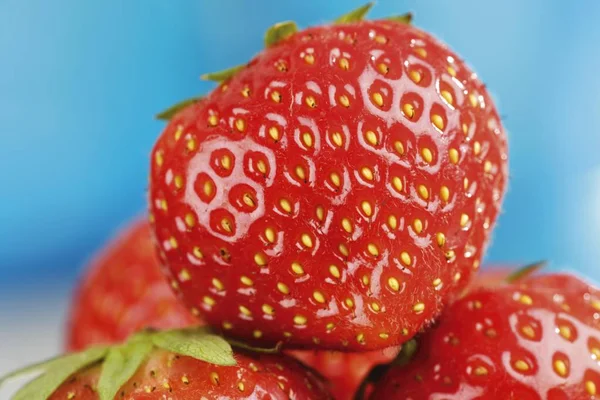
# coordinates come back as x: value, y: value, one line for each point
x: 81, y: 80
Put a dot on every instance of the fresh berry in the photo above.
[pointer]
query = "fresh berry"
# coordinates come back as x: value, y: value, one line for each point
x: 335, y: 192
x: 122, y: 292
x: 167, y: 376
x: 177, y: 364
x: 536, y: 339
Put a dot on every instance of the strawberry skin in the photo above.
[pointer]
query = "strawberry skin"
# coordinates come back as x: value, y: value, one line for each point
x: 335, y: 192
x: 168, y: 376
x: 122, y: 292
x: 538, y: 339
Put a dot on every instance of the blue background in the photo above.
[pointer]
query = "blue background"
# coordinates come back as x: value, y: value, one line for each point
x: 80, y: 82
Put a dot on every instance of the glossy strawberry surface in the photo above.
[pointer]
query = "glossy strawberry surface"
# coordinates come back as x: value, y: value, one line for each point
x: 123, y: 291
x: 168, y: 376
x: 538, y: 339
x: 335, y: 192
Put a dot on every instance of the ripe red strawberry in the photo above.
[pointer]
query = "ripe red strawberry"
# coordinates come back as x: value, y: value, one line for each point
x: 538, y: 339
x: 122, y: 292
x: 167, y: 376
x: 334, y: 192
x: 185, y: 364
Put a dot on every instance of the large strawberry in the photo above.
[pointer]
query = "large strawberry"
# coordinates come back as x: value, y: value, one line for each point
x: 335, y: 191
x: 538, y: 339
x: 187, y: 364
x: 123, y: 291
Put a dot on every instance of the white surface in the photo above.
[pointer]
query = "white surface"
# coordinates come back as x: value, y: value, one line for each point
x: 31, y: 327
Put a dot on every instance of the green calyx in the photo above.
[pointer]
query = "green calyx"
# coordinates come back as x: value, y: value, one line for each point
x: 403, y: 19
x: 355, y: 15
x: 280, y: 31
x: 221, y: 76
x: 120, y: 362
x: 525, y: 271
x: 360, y: 13
x: 170, y: 112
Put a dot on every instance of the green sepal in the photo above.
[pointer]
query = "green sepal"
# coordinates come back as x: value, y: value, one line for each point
x: 197, y: 343
x: 403, y: 19
x: 120, y: 362
x: 355, y: 15
x: 221, y: 76
x: 120, y: 365
x: 525, y: 271
x: 170, y: 112
x: 28, y: 369
x: 56, y: 371
x: 280, y: 31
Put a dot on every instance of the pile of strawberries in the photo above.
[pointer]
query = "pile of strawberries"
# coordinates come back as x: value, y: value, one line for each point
x: 321, y: 217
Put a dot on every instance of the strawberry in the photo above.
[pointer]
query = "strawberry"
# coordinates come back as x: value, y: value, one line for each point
x: 334, y: 192
x: 122, y: 292
x: 536, y: 339
x: 185, y: 364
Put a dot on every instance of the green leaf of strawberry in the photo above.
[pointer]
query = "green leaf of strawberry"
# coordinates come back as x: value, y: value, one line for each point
x: 55, y: 372
x: 525, y: 272
x: 279, y: 32
x: 403, y: 19
x: 221, y: 76
x: 170, y: 112
x: 196, y: 343
x: 355, y: 15
x: 119, y: 363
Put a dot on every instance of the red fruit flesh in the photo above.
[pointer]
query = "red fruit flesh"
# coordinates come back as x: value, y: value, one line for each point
x: 168, y: 376
x: 538, y: 339
x: 122, y: 292
x: 335, y: 193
